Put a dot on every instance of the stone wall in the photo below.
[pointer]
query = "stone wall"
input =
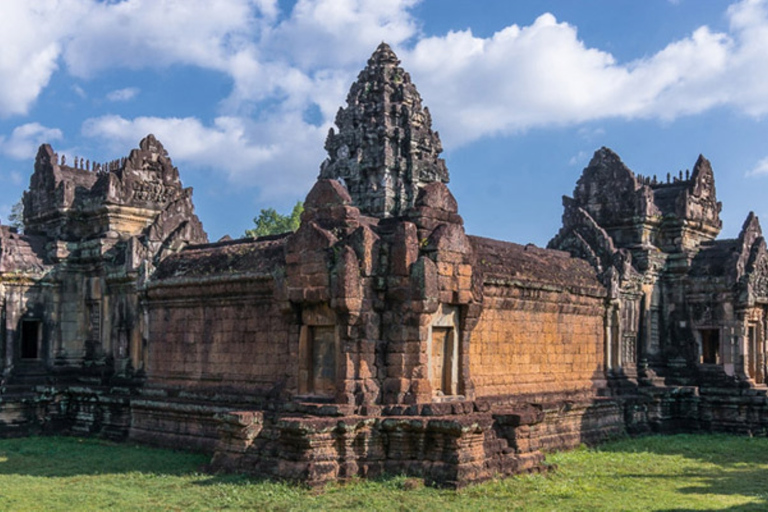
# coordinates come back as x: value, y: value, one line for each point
x: 447, y: 444
x: 537, y: 342
x: 220, y: 332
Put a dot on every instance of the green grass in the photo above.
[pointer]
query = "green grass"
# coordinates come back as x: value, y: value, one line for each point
x: 683, y: 472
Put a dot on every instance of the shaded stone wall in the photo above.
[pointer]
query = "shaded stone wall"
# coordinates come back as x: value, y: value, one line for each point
x: 23, y: 302
x: 226, y: 332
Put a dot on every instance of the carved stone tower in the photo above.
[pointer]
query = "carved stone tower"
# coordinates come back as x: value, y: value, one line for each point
x: 385, y: 149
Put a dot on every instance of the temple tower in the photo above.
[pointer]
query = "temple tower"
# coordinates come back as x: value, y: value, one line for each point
x: 385, y: 149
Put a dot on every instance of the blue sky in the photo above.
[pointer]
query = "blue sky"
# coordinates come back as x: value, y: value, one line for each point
x: 242, y: 93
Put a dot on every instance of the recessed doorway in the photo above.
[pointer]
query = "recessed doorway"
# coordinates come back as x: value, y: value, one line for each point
x: 30, y: 339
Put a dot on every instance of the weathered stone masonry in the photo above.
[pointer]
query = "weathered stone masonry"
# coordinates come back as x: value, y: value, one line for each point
x: 379, y: 337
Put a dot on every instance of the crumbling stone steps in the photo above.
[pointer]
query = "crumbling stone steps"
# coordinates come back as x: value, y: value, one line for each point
x: 31, y: 377
x: 623, y: 387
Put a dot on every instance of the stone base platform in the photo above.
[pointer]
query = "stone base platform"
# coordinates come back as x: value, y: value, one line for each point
x: 447, y: 444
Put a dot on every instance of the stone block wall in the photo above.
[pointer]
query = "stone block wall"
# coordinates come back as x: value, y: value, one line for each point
x: 221, y: 333
x: 171, y: 422
x: 447, y: 445
x: 530, y: 341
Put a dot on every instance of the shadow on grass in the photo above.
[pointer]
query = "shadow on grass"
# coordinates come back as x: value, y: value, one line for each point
x: 734, y: 465
x: 70, y: 456
x: 725, y: 466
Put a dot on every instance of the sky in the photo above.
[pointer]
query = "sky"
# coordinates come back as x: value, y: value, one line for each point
x: 242, y: 94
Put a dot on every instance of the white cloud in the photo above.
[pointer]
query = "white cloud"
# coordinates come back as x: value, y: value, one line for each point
x: 236, y: 149
x: 125, y: 94
x: 317, y: 47
x: 308, y: 59
x: 338, y: 33
x: 31, y: 37
x: 519, y: 78
x: 25, y: 139
x: 314, y: 54
x: 91, y: 36
x: 760, y: 169
x: 137, y: 34
x: 542, y: 74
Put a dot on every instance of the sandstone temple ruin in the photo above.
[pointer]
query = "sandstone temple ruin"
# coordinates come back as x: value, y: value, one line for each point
x: 380, y: 337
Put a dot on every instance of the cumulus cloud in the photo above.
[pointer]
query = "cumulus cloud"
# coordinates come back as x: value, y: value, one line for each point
x: 286, y: 63
x: 139, y: 34
x: 314, y: 53
x: 305, y: 58
x: 336, y: 33
x: 31, y: 38
x: 25, y: 139
x: 90, y: 36
x: 261, y: 155
x: 543, y: 74
x: 125, y: 94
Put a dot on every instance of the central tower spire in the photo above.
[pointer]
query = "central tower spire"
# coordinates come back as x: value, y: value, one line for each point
x: 385, y: 148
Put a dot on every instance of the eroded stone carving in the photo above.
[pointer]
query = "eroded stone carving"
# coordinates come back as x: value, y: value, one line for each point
x: 385, y: 149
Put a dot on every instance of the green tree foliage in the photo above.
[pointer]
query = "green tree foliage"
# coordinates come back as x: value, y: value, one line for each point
x: 269, y: 222
x: 16, y: 217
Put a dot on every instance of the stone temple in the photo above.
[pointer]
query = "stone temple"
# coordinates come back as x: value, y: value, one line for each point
x: 379, y: 337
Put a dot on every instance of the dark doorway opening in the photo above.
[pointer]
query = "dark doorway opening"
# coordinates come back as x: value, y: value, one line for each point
x: 30, y: 339
x: 710, y: 346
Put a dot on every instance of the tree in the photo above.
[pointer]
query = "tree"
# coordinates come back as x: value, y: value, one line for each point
x: 16, y: 217
x: 269, y: 222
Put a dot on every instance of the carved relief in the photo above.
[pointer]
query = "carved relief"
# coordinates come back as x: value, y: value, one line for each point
x: 151, y: 192
x: 760, y: 279
x: 385, y: 148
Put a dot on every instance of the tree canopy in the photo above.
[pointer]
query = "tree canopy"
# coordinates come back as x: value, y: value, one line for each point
x: 16, y: 217
x: 269, y: 222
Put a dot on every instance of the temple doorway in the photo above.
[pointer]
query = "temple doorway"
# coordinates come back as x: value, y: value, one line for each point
x: 30, y: 339
x: 710, y: 346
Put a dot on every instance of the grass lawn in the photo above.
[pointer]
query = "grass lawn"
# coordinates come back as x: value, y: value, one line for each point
x: 683, y: 472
